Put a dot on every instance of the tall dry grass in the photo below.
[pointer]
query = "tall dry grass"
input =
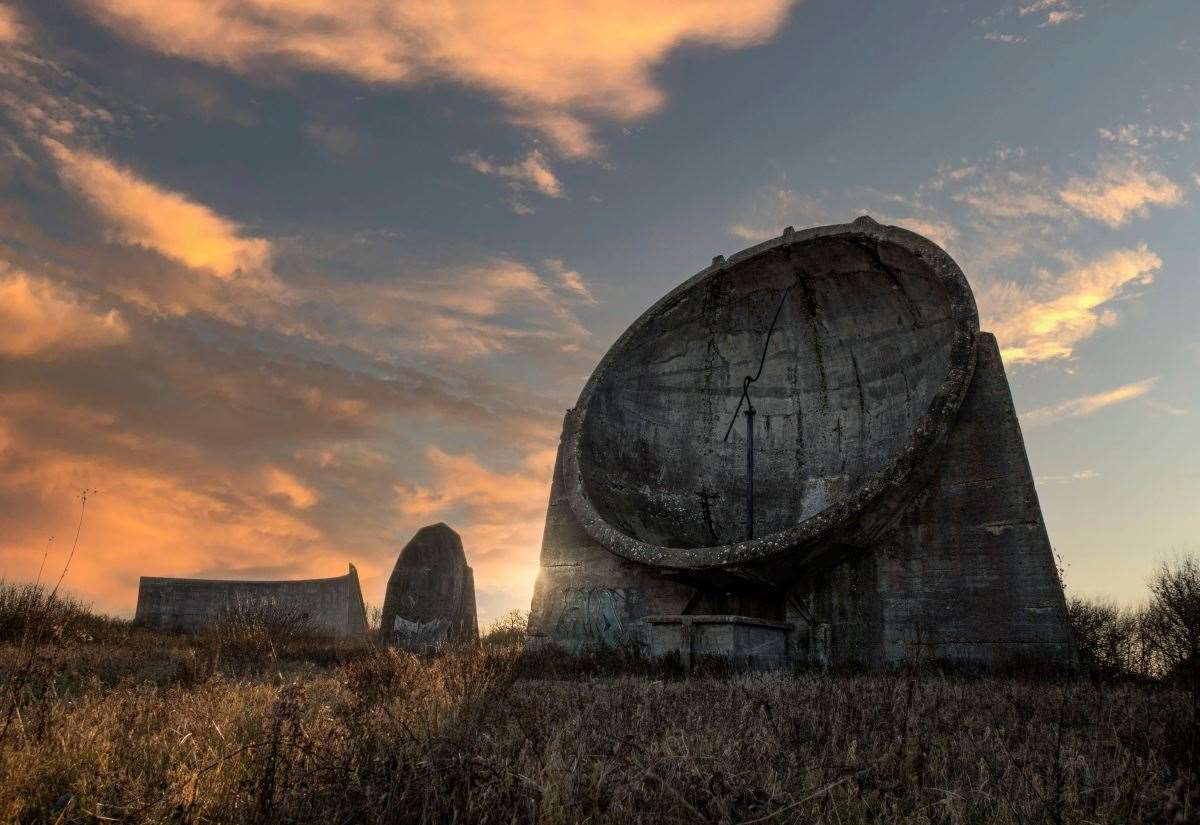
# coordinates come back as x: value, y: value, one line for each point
x: 158, y: 728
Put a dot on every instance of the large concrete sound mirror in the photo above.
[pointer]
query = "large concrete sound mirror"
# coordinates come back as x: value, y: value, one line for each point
x: 806, y: 453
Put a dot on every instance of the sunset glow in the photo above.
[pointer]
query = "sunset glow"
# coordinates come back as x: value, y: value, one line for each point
x: 283, y: 281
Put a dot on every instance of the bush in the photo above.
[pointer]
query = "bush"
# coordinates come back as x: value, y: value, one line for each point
x: 255, y: 631
x: 507, y: 631
x: 45, y: 614
x: 1109, y: 638
x: 1172, y: 624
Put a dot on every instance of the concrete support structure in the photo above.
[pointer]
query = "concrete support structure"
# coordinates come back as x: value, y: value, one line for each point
x: 895, y: 514
x: 334, y: 606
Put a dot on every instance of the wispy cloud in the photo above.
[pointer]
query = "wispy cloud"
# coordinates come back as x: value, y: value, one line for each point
x: 1165, y: 408
x: 11, y: 29
x: 1067, y: 478
x: 153, y: 350
x: 571, y: 280
x: 40, y: 317
x: 556, y: 65
x: 1057, y: 11
x: 145, y: 214
x: 532, y: 172
x: 1134, y: 134
x: 1088, y: 404
x: 778, y: 206
x: 465, y: 312
x: 1120, y: 190
x: 504, y: 511
x: 1060, y: 16
x: 281, y: 483
x: 1041, y: 6
x: 1049, y: 318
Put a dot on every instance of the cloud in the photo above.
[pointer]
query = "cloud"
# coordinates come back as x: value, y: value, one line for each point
x: 216, y: 457
x: 1048, y: 319
x: 1120, y: 191
x: 39, y: 317
x: 1078, y: 475
x: 775, y: 207
x: 145, y: 214
x: 556, y: 65
x: 1057, y: 11
x: 11, y: 30
x: 1088, y: 404
x: 1003, y: 188
x: 1000, y: 37
x: 1060, y: 16
x: 500, y: 513
x: 1167, y: 409
x: 1041, y: 5
x: 1134, y: 135
x: 287, y: 486
x: 533, y: 172
x: 465, y: 312
x: 1009, y: 193
x: 570, y: 280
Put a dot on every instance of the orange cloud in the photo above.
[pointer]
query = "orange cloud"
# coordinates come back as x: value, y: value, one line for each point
x: 1048, y: 319
x: 145, y: 522
x: 471, y: 312
x: 531, y: 173
x: 39, y: 317
x: 1119, y: 192
x: 500, y: 514
x: 553, y: 63
x: 141, y: 213
x: 11, y: 30
x: 290, y: 488
x: 1088, y: 404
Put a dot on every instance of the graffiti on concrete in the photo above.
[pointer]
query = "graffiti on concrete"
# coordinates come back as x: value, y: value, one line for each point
x: 592, y: 616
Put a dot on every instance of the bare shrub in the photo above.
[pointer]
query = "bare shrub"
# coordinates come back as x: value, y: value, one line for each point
x: 374, y: 619
x: 509, y: 630
x: 1108, y: 637
x: 1172, y: 624
x: 34, y: 607
x: 249, y: 631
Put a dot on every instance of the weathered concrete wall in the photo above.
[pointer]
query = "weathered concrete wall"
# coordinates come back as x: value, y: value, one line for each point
x: 931, y: 542
x: 586, y: 596
x: 969, y: 572
x: 333, y: 606
x: 430, y: 600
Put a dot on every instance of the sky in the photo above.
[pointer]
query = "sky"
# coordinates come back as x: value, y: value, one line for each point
x: 282, y: 281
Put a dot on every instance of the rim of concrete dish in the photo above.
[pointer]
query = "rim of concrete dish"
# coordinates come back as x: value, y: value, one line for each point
x: 930, y: 431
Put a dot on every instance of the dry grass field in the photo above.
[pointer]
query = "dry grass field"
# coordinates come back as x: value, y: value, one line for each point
x: 106, y: 722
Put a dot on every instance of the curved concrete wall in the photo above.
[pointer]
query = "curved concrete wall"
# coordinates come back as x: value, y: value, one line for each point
x: 949, y: 559
x: 857, y: 356
x: 334, y: 606
x: 857, y: 382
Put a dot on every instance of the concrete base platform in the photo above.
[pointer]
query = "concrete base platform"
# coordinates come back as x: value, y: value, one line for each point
x: 760, y: 644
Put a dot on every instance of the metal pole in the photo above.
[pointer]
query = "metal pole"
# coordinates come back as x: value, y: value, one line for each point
x: 749, y: 472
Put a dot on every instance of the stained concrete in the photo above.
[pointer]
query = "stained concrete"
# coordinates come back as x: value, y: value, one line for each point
x: 430, y: 599
x: 760, y: 644
x: 894, y: 507
x: 334, y: 606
